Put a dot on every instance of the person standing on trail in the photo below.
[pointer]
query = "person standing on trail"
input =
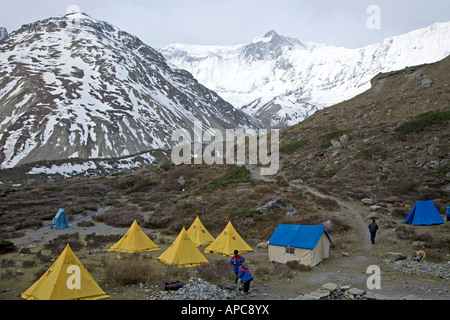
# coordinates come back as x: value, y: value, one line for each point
x: 373, y: 228
x: 236, y: 259
x: 246, y: 277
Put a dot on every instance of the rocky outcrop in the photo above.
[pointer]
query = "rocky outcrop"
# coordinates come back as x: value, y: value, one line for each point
x: 3, y: 33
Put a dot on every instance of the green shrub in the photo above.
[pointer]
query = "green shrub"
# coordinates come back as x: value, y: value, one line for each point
x: 423, y: 122
x: 238, y: 174
x: 293, y: 145
x: 133, y: 185
x: 57, y: 245
x: 6, y: 246
x: 371, y: 153
x: 246, y: 213
x: 322, y: 173
x: 442, y: 171
x: 53, y: 189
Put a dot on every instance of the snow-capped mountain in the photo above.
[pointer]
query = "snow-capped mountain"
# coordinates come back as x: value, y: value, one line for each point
x: 75, y: 87
x: 281, y: 80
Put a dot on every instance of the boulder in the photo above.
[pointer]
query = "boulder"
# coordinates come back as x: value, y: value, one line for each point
x: 343, y: 139
x: 330, y: 286
x: 262, y: 245
x: 297, y: 181
x: 328, y: 225
x: 182, y: 181
x: 336, y: 144
x: 355, y: 292
x: 271, y: 205
x: 368, y: 201
x: 427, y: 83
x: 373, y: 215
x: 290, y: 210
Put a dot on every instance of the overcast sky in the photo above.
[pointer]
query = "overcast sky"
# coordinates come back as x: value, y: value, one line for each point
x: 346, y: 23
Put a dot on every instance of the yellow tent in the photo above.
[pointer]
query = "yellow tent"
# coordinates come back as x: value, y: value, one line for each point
x: 183, y: 252
x: 198, y: 233
x: 134, y: 241
x: 66, y: 279
x: 228, y: 241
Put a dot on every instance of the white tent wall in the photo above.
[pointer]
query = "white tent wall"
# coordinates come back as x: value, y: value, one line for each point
x: 322, y: 250
x: 278, y: 254
x: 306, y: 257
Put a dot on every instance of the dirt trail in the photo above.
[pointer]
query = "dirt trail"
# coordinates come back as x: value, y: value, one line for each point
x: 353, y: 211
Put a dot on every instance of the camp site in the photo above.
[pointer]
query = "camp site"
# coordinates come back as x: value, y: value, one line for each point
x: 291, y: 260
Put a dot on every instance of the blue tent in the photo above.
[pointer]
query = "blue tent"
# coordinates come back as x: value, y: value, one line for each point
x: 424, y: 213
x: 61, y: 219
x: 307, y: 244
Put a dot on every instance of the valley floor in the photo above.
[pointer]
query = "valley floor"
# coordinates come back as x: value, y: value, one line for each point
x: 342, y: 270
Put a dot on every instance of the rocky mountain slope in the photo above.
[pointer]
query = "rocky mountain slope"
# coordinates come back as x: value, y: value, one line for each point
x: 75, y: 87
x: 282, y: 81
x: 390, y: 142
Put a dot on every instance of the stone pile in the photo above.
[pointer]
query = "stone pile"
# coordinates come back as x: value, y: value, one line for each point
x: 332, y: 291
x: 441, y: 270
x: 197, y: 289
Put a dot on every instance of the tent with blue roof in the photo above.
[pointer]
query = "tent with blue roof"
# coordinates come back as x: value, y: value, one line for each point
x: 308, y: 245
x: 424, y: 213
x: 61, y: 219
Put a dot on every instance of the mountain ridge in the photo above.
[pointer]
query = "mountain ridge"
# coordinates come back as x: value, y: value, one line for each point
x: 282, y: 85
x: 76, y: 87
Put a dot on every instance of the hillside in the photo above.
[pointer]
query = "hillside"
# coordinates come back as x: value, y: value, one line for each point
x: 390, y: 144
x: 390, y: 141
x: 76, y: 87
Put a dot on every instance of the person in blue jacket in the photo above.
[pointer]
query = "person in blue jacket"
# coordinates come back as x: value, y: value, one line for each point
x: 235, y: 260
x: 448, y: 213
x: 246, y: 277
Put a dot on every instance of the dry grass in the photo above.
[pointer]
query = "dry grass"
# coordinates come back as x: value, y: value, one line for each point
x: 129, y: 271
x: 121, y: 216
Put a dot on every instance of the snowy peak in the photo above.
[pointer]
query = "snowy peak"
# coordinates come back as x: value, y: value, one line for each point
x: 271, y: 46
x: 277, y: 40
x: 75, y: 87
x: 280, y: 80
